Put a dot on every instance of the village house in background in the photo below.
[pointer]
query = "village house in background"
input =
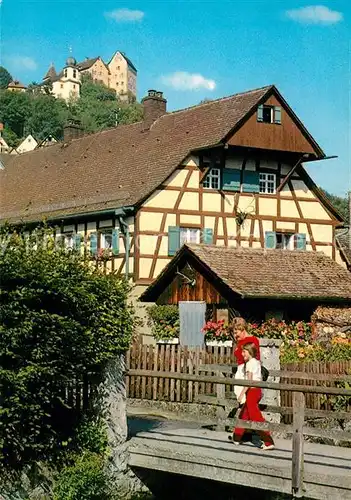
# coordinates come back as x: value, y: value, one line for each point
x: 16, y: 86
x: 225, y: 177
x: 118, y: 74
x: 29, y: 143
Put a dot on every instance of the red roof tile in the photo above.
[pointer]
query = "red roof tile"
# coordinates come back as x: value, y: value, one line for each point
x: 126, y: 159
x: 260, y: 273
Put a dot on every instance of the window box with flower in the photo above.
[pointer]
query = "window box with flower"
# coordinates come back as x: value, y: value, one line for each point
x: 217, y: 334
x: 164, y: 321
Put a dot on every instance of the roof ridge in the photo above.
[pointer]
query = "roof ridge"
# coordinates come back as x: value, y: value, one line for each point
x: 220, y: 99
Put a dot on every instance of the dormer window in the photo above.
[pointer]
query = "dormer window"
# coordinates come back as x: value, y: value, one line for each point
x: 212, y: 180
x: 269, y: 114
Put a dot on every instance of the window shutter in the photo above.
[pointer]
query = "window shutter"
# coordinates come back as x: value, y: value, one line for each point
x: 93, y: 243
x: 277, y: 114
x: 260, y: 113
x: 77, y: 240
x: 173, y: 240
x: 251, y: 182
x: 115, y: 241
x: 270, y: 239
x: 207, y: 236
x: 231, y: 179
x: 300, y: 241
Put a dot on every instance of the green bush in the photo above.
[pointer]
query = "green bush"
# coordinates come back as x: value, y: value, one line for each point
x: 84, y: 480
x: 164, y: 321
x: 91, y: 436
x: 61, y: 320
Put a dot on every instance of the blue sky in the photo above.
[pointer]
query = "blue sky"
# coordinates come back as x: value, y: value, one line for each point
x: 192, y: 50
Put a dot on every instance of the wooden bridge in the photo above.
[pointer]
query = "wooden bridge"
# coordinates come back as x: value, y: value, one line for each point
x: 295, y: 467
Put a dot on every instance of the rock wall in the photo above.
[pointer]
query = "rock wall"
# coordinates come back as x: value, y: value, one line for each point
x: 113, y: 391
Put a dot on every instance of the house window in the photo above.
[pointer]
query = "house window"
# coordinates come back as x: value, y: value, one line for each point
x: 269, y: 114
x: 61, y: 85
x: 74, y: 86
x: 118, y: 67
x: 189, y: 235
x: 267, y: 183
x: 284, y: 241
x: 74, y: 73
x: 212, y: 180
x: 105, y: 241
x: 65, y: 73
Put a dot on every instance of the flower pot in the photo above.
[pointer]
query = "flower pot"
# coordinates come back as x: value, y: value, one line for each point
x: 219, y: 343
x: 168, y: 341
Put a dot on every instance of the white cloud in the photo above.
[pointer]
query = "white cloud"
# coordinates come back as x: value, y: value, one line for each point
x: 315, y: 14
x: 22, y: 62
x: 181, y: 80
x: 125, y: 15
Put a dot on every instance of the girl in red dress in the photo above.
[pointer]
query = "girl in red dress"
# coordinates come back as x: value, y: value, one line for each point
x: 250, y: 398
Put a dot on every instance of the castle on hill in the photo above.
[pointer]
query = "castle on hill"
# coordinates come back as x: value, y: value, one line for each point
x: 119, y: 74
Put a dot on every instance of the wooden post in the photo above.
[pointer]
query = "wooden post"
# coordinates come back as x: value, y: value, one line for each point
x: 221, y: 414
x: 297, y: 444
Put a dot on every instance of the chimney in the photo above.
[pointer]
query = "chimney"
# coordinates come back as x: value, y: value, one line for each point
x: 72, y: 130
x: 154, y: 106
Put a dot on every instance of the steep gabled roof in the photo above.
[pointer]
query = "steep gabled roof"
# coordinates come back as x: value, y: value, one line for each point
x: 343, y: 238
x: 88, y: 63
x: 258, y: 273
x: 127, y: 159
x: 16, y: 84
x: 51, y: 73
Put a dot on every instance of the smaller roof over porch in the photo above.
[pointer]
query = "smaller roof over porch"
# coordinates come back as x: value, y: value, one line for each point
x: 221, y: 274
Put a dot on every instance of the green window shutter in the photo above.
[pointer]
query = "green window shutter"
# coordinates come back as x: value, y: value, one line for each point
x: 115, y: 241
x: 93, y: 243
x: 207, y: 236
x: 277, y: 114
x: 260, y: 113
x: 173, y: 240
x: 77, y: 241
x: 251, y: 182
x: 300, y: 241
x: 270, y: 239
x: 231, y: 179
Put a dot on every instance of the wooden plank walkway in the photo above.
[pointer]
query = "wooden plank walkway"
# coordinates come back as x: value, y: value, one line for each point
x: 209, y: 455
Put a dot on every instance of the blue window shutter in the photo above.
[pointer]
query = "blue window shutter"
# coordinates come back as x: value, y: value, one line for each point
x: 173, y: 240
x: 270, y: 239
x: 260, y: 113
x: 77, y: 240
x: 277, y: 114
x: 300, y: 241
x: 251, y: 182
x: 231, y: 179
x: 115, y: 241
x: 93, y: 243
x: 207, y: 236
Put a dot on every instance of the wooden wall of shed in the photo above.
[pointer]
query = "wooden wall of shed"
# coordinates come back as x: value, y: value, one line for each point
x: 179, y: 290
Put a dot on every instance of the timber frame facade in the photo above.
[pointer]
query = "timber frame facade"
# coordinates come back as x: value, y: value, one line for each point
x: 248, y: 188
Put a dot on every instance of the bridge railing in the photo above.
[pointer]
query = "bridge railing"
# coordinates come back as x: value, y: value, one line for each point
x: 298, y: 429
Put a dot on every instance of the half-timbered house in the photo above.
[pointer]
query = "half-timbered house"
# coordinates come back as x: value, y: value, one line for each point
x: 229, y: 172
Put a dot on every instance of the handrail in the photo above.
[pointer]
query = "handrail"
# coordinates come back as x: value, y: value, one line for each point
x: 298, y: 429
x: 336, y: 391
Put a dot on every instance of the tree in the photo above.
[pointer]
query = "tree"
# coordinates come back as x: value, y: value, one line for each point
x: 340, y: 203
x: 47, y: 116
x: 14, y: 110
x: 99, y: 108
x: 61, y: 321
x: 5, y: 78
